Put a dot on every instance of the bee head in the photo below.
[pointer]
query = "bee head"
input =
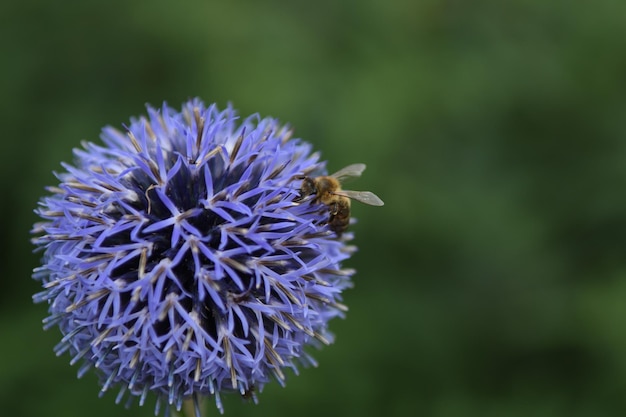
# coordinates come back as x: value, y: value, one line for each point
x: 307, y: 188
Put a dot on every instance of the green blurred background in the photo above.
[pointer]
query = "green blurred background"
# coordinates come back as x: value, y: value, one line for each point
x: 493, y: 281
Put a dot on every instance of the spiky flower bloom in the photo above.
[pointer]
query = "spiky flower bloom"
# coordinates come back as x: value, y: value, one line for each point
x: 178, y: 259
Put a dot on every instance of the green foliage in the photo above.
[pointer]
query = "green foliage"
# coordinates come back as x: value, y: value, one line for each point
x: 493, y: 281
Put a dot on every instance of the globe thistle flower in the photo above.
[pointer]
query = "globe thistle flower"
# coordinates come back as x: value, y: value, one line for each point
x: 179, y: 260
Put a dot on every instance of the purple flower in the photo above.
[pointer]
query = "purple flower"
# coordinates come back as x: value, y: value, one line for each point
x: 179, y: 260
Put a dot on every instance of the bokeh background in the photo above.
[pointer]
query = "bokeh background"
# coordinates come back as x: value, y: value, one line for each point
x: 493, y: 281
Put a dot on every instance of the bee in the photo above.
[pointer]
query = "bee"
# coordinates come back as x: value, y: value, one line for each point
x: 327, y: 191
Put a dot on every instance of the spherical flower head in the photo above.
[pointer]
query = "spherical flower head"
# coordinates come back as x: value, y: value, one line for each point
x: 178, y: 258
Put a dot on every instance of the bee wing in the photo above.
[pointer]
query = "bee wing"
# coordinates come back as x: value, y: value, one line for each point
x: 365, y: 197
x: 354, y: 170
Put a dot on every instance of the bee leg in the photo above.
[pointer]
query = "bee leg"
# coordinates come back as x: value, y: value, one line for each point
x: 301, y: 196
x: 332, y: 219
x: 334, y: 209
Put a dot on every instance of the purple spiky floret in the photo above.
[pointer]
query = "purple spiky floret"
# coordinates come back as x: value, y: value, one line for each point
x: 178, y: 259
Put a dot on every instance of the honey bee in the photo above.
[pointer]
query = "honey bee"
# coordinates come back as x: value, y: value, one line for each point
x: 327, y: 190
